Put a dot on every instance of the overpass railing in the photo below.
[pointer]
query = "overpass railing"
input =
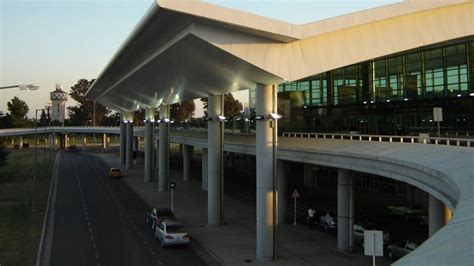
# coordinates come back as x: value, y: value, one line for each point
x: 460, y: 142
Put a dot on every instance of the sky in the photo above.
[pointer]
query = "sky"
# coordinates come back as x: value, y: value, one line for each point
x: 62, y: 41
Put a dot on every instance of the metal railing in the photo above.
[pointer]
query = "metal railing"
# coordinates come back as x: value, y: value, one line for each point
x: 460, y: 142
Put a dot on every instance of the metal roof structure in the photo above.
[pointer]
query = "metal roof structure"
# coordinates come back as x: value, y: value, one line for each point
x: 183, y: 50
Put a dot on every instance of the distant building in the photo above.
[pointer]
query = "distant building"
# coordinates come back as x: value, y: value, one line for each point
x: 58, y: 99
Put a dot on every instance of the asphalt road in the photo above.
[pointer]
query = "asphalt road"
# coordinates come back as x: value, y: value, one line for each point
x: 99, y: 221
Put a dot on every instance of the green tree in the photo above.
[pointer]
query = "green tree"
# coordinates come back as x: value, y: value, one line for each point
x: 44, y: 119
x: 85, y: 106
x: 18, y: 110
x: 78, y: 116
x: 232, y: 106
x: 182, y: 111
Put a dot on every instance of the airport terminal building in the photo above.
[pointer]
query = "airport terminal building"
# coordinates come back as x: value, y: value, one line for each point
x: 379, y: 71
x: 390, y: 95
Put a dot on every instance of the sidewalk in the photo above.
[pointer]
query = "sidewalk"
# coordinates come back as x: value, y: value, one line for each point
x: 234, y: 243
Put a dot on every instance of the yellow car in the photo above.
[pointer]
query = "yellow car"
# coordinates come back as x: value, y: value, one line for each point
x: 115, y: 173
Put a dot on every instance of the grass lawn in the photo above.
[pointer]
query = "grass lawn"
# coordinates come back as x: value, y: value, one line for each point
x: 20, y: 227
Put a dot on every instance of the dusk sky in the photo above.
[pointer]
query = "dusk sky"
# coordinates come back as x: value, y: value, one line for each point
x: 61, y: 41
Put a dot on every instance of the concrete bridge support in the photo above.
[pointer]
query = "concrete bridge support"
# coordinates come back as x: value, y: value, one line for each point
x: 123, y: 142
x: 129, y: 143
x: 214, y: 162
x: 204, y: 170
x: 163, y: 148
x: 266, y: 198
x: 438, y: 215
x: 104, y: 142
x: 20, y: 142
x: 187, y: 158
x: 345, y: 210
x: 84, y: 142
x: 149, y: 143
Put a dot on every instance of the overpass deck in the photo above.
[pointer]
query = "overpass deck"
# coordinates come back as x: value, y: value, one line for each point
x: 443, y: 171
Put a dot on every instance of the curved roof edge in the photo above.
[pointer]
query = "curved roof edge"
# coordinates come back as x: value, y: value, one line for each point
x: 373, y: 15
x: 244, y: 21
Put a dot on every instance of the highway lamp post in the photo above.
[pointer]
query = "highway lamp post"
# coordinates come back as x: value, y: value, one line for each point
x: 22, y: 87
x: 35, y: 159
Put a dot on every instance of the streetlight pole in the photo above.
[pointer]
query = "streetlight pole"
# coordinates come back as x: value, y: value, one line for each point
x: 35, y: 159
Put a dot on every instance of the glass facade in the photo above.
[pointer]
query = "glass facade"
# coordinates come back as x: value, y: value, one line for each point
x: 395, y: 93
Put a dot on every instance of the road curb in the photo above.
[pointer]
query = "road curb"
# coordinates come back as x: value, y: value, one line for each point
x: 46, y: 242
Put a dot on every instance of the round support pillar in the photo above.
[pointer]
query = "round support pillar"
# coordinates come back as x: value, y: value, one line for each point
x: 104, y: 142
x: 266, y: 199
x: 204, y: 170
x: 214, y: 163
x: 123, y: 138
x: 163, y: 149
x: 187, y: 158
x: 148, y: 151
x: 129, y: 145
x: 344, y: 210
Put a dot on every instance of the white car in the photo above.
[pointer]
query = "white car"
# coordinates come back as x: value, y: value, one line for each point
x: 327, y: 221
x: 359, y: 233
x: 401, y: 248
x: 171, y: 233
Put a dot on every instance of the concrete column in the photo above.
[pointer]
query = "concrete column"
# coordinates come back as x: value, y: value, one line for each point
x: 20, y: 142
x: 214, y: 162
x: 129, y: 146
x: 136, y: 144
x: 84, y: 141
x: 66, y: 141
x: 163, y: 149
x: 204, y: 170
x: 51, y: 141
x: 282, y: 202
x: 104, y: 142
x: 187, y: 158
x: 148, y: 151
x: 123, y: 137
x: 266, y: 220
x: 345, y: 210
x: 438, y: 215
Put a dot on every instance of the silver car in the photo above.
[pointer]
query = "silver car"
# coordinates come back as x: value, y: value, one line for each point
x: 171, y: 233
x: 401, y: 248
x: 359, y: 233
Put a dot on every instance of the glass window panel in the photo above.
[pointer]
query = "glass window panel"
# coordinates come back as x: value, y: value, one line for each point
x: 435, y: 53
x: 416, y: 57
x: 455, y: 49
x: 281, y: 87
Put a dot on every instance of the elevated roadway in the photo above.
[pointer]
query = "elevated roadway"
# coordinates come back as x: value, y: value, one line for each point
x: 444, y: 172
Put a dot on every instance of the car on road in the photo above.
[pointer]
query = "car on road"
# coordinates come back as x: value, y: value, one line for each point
x: 157, y: 215
x: 327, y: 221
x: 72, y: 148
x: 405, y: 211
x: 170, y: 232
x: 115, y: 173
x: 359, y: 229
x: 401, y: 248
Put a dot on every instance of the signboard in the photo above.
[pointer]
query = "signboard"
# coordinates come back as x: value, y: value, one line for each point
x: 295, y: 194
x: 172, y: 184
x: 373, y: 243
x: 438, y: 114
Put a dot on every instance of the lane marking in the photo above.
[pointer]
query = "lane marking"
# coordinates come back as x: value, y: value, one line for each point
x: 86, y: 214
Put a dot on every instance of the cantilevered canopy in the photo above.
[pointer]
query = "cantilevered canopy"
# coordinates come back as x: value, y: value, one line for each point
x: 166, y: 59
x: 183, y: 50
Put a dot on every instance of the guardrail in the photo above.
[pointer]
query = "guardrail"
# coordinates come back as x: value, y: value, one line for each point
x: 460, y: 142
